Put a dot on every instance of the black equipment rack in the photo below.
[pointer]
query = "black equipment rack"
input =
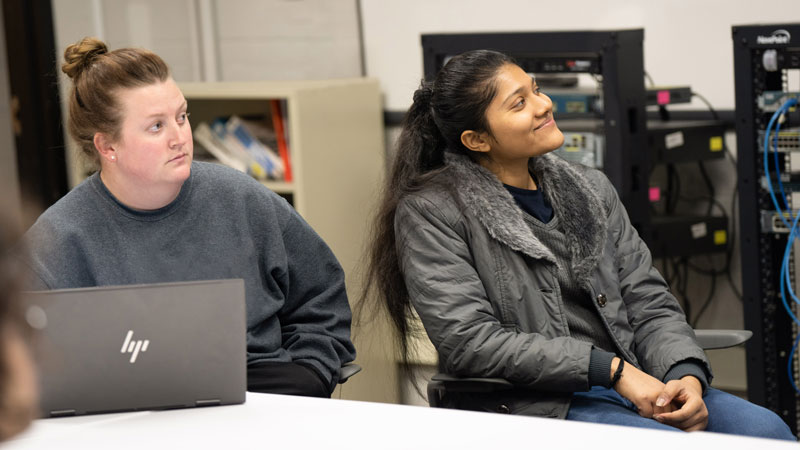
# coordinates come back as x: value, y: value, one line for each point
x: 762, y: 248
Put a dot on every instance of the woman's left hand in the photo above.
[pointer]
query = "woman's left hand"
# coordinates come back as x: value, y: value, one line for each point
x: 686, y: 395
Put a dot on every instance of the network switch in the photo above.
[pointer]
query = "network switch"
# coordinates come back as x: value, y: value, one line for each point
x: 788, y: 140
x: 583, y: 147
x: 770, y: 101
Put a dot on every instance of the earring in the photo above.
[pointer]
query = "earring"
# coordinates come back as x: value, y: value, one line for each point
x: 113, y: 157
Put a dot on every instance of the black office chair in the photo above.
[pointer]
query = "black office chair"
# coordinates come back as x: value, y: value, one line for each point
x: 347, y: 371
x: 442, y: 383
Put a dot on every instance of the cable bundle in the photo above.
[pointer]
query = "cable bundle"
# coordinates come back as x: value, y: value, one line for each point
x: 785, y: 276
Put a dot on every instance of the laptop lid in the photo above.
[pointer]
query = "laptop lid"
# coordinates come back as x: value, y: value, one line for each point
x: 138, y: 347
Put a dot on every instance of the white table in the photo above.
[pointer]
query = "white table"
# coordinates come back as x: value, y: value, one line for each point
x: 284, y: 422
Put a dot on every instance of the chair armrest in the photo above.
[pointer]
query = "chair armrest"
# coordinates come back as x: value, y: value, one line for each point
x: 459, y: 384
x: 713, y: 339
x: 347, y: 371
x: 442, y: 383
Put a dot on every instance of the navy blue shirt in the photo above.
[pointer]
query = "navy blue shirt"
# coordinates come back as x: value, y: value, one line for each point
x: 532, y: 202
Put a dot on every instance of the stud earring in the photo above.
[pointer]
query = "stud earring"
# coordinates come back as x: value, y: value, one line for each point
x: 113, y: 157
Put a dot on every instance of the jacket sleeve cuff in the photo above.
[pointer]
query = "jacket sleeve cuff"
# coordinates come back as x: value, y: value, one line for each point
x: 600, y: 368
x: 687, y: 367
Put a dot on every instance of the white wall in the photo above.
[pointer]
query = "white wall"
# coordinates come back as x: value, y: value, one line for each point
x: 280, y: 39
x: 249, y: 39
x: 169, y: 28
x: 686, y: 41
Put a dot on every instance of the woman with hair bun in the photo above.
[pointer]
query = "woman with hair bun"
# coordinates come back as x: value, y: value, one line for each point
x: 525, y: 267
x: 150, y: 214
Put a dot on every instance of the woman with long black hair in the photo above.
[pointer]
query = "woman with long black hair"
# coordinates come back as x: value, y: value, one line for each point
x: 525, y: 267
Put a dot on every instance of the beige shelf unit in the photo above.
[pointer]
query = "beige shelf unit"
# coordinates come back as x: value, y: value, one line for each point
x: 336, y: 146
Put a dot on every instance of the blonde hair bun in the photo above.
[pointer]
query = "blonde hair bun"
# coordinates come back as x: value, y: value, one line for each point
x: 79, y: 56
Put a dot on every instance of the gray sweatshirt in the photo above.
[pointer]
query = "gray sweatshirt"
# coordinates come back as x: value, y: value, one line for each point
x: 223, y: 224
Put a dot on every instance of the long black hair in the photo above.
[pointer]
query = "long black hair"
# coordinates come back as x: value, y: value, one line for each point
x: 454, y: 102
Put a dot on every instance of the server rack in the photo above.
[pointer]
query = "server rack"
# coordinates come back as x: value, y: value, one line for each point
x: 617, y: 56
x: 763, y: 57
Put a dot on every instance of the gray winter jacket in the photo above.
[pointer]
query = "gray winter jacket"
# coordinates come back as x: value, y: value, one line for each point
x: 486, y: 290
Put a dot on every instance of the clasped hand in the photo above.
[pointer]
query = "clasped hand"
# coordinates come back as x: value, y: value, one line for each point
x: 679, y: 403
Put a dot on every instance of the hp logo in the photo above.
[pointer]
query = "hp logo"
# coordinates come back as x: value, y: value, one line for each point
x: 134, y: 347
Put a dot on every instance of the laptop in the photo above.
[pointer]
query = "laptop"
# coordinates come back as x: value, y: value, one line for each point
x: 139, y: 347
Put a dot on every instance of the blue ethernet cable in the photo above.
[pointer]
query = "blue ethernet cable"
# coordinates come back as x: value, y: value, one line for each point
x: 782, y: 110
x: 785, y: 276
x: 785, y: 281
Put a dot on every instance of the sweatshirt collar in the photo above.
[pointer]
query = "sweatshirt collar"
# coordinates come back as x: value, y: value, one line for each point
x: 142, y: 215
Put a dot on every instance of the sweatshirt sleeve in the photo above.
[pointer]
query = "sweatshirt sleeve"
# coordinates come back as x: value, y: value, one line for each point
x: 600, y: 368
x: 689, y: 367
x: 315, y: 318
x: 31, y: 281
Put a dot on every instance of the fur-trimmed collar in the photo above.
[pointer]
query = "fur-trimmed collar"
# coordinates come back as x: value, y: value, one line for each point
x: 578, y: 208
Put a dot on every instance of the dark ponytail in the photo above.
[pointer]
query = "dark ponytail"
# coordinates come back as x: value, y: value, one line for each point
x: 419, y: 158
x: 456, y: 101
x: 420, y: 134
